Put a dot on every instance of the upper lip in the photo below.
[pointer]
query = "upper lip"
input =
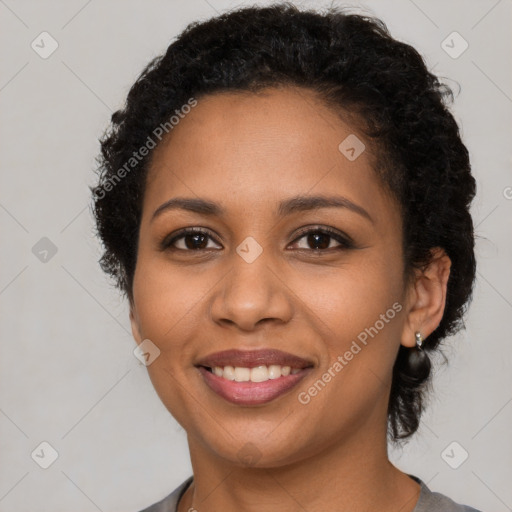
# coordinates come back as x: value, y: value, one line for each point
x: 253, y: 358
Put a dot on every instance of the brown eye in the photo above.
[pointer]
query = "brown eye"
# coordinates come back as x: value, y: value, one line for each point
x: 188, y: 240
x: 195, y: 241
x: 316, y: 240
x: 321, y: 239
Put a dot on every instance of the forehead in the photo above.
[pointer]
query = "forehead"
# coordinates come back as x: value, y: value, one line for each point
x: 248, y: 147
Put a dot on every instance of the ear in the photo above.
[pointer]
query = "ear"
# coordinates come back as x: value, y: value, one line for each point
x: 134, y: 321
x: 427, y: 298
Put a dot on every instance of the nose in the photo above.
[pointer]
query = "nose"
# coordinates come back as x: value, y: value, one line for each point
x: 252, y: 294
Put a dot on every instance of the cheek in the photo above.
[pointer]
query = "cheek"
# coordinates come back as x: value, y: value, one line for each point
x: 167, y: 305
x: 362, y: 308
x: 354, y: 297
x: 164, y: 296
x: 360, y: 313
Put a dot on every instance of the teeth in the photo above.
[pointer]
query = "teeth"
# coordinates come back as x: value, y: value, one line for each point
x: 228, y: 373
x: 256, y: 374
x: 242, y: 374
x: 274, y: 371
x: 259, y: 374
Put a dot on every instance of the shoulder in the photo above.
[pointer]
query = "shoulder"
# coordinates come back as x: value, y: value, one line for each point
x: 430, y: 501
x: 170, y: 502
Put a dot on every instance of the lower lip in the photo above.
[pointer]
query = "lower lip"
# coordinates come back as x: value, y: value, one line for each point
x: 251, y: 393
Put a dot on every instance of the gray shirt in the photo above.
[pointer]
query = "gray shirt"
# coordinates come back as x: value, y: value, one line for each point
x: 428, y: 501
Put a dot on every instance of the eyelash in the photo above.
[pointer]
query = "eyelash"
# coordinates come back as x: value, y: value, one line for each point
x: 345, y: 241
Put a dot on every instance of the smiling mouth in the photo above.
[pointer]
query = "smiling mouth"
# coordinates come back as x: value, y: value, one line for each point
x: 260, y: 373
x: 270, y: 382
x: 252, y: 377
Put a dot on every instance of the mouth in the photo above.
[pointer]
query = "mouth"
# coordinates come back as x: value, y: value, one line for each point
x: 252, y: 377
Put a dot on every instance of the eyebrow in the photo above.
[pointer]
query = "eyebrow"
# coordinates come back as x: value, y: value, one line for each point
x: 286, y: 207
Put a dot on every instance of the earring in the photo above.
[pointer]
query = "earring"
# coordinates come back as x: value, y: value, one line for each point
x: 419, y: 340
x: 419, y: 362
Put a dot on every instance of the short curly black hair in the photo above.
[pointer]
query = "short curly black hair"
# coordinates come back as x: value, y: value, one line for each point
x: 354, y: 65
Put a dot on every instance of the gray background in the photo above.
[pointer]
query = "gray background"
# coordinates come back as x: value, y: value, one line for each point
x: 67, y: 369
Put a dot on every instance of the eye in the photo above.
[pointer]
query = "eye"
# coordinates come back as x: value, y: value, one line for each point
x: 189, y: 239
x: 197, y: 239
x: 321, y: 239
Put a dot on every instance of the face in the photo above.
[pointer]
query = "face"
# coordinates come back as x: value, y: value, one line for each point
x: 265, y: 271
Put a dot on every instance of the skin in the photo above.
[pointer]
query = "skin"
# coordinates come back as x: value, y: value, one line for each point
x: 247, y: 152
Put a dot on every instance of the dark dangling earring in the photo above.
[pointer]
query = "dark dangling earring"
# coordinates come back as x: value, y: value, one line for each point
x: 419, y: 362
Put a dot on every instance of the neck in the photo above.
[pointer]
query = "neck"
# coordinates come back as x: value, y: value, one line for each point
x: 353, y: 475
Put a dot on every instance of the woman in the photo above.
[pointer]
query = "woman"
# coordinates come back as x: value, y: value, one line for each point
x: 284, y: 200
